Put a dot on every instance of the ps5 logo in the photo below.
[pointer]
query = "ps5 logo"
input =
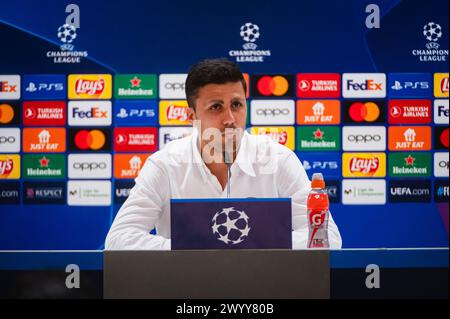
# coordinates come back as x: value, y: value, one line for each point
x: 124, y: 113
x: 410, y: 85
x: 320, y: 165
x: 44, y: 87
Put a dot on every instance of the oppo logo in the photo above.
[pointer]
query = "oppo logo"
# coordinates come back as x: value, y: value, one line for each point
x: 174, y: 86
x: 272, y: 112
x: 89, y: 166
x: 7, y: 139
x: 364, y: 138
x: 444, y: 164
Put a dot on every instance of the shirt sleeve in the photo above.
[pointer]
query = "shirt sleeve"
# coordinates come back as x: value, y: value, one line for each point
x: 293, y: 182
x: 141, y: 212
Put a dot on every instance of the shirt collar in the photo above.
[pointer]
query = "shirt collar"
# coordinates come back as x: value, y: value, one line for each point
x: 244, y: 159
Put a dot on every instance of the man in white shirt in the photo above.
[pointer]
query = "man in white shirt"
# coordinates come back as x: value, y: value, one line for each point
x: 194, y: 166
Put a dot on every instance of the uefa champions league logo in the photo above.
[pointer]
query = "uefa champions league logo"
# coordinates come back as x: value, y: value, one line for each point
x: 432, y: 32
x: 432, y: 52
x: 250, y: 33
x: 231, y: 226
x: 66, y: 34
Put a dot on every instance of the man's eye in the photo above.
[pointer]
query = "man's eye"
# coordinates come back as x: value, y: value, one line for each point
x: 215, y: 107
x: 237, y: 104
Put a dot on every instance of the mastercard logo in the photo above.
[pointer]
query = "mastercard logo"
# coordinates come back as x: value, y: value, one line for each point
x: 272, y: 85
x: 90, y: 140
x: 6, y: 113
x: 364, y: 112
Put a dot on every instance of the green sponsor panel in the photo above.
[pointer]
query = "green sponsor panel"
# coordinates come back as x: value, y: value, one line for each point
x: 318, y: 138
x: 410, y: 164
x: 44, y: 166
x: 135, y: 86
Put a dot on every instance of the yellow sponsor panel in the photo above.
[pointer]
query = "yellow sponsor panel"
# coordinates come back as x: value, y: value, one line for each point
x: 364, y: 165
x: 285, y: 135
x: 9, y: 166
x: 90, y: 86
x: 441, y: 84
x: 173, y: 113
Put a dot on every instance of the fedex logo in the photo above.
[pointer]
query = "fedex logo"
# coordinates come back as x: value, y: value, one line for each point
x: 9, y: 87
x: 363, y: 85
x: 368, y: 85
x: 90, y: 113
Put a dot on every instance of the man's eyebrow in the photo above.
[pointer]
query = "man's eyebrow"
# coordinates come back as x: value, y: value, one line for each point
x: 214, y: 101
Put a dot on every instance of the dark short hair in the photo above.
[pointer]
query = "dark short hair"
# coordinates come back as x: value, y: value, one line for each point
x: 211, y: 71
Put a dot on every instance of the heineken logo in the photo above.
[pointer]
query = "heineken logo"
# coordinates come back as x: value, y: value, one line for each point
x: 44, y: 166
x: 135, y: 86
x: 318, y: 138
x: 410, y: 164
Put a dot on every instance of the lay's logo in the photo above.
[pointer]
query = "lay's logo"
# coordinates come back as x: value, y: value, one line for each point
x: 90, y: 86
x: 364, y: 164
x: 283, y: 135
x: 9, y: 166
x: 173, y: 113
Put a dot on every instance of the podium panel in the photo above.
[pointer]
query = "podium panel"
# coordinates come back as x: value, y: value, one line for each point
x: 224, y: 274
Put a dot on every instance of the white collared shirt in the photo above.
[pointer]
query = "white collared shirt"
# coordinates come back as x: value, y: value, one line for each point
x: 262, y: 169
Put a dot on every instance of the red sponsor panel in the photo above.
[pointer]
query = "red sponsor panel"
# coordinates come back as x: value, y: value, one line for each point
x: 318, y: 85
x: 135, y: 139
x: 44, y: 113
x: 409, y: 111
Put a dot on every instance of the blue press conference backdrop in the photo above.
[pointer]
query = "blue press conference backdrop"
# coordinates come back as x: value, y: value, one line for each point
x: 164, y: 37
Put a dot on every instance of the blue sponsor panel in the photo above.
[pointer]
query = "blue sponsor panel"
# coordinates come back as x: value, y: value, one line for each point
x: 329, y: 164
x: 410, y: 85
x: 418, y: 191
x: 44, y: 87
x: 10, y: 193
x: 44, y: 193
x: 136, y: 113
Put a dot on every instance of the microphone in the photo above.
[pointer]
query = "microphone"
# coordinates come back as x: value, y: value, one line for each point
x: 227, y: 161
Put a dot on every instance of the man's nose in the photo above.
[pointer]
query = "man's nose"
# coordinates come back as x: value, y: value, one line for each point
x: 228, y: 119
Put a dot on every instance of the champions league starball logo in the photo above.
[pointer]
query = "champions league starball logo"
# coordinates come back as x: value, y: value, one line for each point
x: 249, y: 32
x: 66, y: 34
x: 432, y: 32
x: 231, y: 226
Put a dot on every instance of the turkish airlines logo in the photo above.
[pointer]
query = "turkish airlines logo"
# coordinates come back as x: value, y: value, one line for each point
x: 44, y: 113
x: 135, y: 139
x: 409, y: 111
x: 272, y: 85
x: 325, y: 85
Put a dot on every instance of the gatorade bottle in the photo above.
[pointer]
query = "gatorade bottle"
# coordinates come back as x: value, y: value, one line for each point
x: 318, y: 213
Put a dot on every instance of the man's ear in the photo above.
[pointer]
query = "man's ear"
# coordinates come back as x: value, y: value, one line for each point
x: 191, y: 115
